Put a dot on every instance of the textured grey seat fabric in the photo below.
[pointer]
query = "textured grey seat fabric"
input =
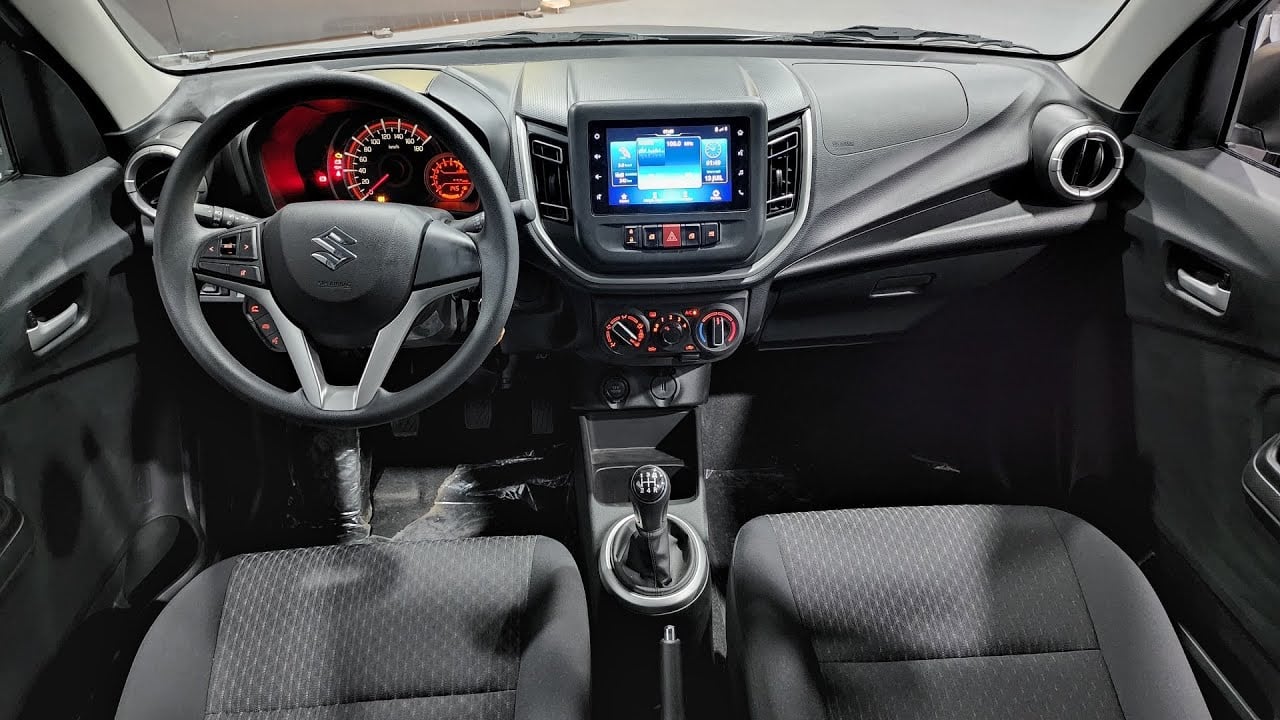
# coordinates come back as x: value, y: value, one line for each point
x: 948, y: 612
x: 476, y: 629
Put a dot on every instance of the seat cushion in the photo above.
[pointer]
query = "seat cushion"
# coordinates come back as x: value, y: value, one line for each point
x: 477, y: 628
x: 949, y: 612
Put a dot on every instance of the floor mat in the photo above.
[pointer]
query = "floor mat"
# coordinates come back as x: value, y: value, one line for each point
x: 528, y: 494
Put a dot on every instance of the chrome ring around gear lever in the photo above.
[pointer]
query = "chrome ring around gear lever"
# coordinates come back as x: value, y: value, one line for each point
x: 683, y: 593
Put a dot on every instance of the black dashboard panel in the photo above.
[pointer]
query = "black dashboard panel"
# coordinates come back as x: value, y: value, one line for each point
x: 864, y: 157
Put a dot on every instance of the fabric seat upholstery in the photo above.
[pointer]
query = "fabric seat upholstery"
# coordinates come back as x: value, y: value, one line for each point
x: 477, y: 628
x: 949, y: 612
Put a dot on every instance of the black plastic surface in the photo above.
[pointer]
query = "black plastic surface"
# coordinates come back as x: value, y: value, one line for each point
x: 15, y: 541
x: 868, y: 107
x: 52, y: 132
x: 1261, y: 481
x: 1206, y: 387
x: 862, y: 306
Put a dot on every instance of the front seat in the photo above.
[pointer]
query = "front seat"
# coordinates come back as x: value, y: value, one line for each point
x: 477, y: 629
x: 948, y: 612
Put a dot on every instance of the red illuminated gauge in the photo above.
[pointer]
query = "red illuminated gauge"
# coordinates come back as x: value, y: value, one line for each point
x: 382, y: 161
x: 625, y: 332
x: 448, y: 179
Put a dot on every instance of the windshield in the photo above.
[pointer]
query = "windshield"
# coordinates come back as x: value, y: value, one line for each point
x: 173, y: 33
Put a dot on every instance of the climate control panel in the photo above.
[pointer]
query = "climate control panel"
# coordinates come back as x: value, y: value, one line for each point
x: 685, y: 332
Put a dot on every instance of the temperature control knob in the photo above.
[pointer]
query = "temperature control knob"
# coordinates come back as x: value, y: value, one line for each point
x: 718, y: 330
x: 626, y: 332
x: 673, y: 331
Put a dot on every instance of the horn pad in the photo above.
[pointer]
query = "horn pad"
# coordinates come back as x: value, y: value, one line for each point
x: 342, y: 270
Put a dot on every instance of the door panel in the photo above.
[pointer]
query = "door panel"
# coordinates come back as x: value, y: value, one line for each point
x: 1207, y: 395
x: 97, y: 517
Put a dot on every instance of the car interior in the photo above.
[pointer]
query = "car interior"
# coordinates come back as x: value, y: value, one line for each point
x: 627, y: 359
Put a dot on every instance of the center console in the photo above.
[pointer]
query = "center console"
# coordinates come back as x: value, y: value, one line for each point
x: 677, y: 188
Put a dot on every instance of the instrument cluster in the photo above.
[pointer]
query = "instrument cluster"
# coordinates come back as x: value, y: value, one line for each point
x: 341, y: 150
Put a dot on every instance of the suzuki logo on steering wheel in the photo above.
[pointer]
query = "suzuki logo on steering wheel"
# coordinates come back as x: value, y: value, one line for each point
x: 333, y: 245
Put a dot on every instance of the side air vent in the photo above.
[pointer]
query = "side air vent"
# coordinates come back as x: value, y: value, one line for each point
x: 1086, y: 162
x: 784, y: 172
x: 144, y: 176
x: 550, y: 160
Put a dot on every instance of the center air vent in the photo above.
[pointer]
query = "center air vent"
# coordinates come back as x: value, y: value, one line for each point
x: 550, y: 161
x: 1086, y: 162
x: 144, y: 176
x: 784, y: 172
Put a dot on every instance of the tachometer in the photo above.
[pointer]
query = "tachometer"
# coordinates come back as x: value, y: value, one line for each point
x: 448, y: 179
x: 382, y: 161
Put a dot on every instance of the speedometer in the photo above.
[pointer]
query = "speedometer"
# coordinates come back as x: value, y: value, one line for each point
x: 384, y: 161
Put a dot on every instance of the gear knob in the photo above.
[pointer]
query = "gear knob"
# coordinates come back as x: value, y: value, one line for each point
x: 650, y: 492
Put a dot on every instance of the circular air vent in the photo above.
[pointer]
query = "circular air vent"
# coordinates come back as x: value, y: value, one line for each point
x: 1085, y: 162
x: 144, y: 176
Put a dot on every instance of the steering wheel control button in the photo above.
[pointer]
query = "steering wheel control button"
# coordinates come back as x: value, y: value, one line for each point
x: 615, y: 389
x: 253, y: 309
x: 690, y: 235
x: 710, y: 234
x: 211, y: 248
x: 246, y: 273
x: 246, y: 242
x: 214, y: 268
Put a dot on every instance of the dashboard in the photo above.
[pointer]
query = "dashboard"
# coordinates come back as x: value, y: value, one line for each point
x: 335, y: 149
x: 693, y: 201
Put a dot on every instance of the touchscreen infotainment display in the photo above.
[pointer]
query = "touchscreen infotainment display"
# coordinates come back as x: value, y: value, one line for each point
x: 669, y: 168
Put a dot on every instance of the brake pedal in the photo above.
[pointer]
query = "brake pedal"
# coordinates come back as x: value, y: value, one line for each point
x: 405, y: 427
x: 477, y: 413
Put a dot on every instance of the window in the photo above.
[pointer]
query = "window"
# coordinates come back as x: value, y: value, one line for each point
x: 1256, y: 130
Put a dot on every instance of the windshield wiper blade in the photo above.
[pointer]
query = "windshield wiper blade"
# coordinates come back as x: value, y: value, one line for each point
x: 869, y: 34
x: 539, y: 37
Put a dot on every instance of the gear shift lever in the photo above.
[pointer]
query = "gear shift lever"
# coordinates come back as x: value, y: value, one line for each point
x: 647, y: 562
x: 650, y: 493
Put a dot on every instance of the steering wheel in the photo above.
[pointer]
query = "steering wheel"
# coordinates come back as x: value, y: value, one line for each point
x: 336, y: 274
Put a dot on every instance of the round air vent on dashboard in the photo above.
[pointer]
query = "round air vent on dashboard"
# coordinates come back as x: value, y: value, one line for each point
x: 144, y: 176
x: 1076, y: 156
x: 1086, y: 162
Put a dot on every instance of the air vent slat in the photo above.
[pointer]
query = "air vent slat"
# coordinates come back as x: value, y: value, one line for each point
x: 551, y: 178
x: 783, y: 173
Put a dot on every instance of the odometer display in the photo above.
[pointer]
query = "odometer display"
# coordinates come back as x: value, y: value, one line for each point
x: 448, y: 179
x: 384, y: 161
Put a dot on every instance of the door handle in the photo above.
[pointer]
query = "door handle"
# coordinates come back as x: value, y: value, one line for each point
x: 46, y: 331
x: 1212, y: 295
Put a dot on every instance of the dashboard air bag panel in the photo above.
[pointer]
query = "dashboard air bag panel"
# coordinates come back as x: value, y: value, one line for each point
x: 868, y: 106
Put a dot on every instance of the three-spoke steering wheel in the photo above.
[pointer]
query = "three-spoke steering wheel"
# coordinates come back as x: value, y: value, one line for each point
x: 336, y: 274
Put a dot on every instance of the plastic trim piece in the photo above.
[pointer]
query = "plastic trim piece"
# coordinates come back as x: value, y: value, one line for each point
x: 681, y: 598
x: 1261, y: 482
x: 306, y: 362
x: 738, y: 276
x: 131, y: 174
x: 1085, y: 132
